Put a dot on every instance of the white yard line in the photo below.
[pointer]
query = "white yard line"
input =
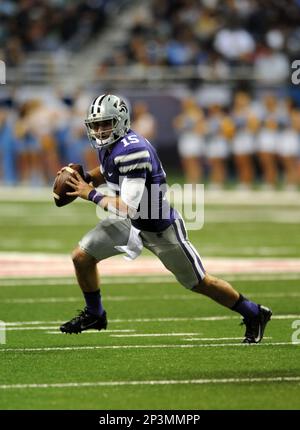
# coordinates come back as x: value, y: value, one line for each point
x: 217, y: 339
x: 154, y: 334
x: 142, y: 320
x: 138, y: 335
x: 28, y: 328
x: 128, y: 280
x: 264, y: 251
x: 167, y: 297
x: 159, y: 346
x: 87, y: 332
x: 51, y: 328
x: 215, y: 197
x: 29, y: 323
x: 43, y: 300
x: 278, y: 379
x: 179, y: 334
x: 19, y: 282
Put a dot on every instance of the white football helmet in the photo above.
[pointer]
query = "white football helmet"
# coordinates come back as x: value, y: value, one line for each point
x: 107, y: 120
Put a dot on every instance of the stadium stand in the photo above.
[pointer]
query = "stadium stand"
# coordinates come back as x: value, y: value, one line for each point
x: 232, y: 57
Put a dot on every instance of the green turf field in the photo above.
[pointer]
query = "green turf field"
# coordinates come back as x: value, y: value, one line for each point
x: 165, y: 347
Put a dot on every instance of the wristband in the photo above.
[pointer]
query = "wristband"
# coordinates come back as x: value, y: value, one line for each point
x: 95, y: 196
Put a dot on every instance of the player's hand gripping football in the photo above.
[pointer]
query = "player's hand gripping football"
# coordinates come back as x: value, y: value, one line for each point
x: 65, y: 167
x: 81, y: 188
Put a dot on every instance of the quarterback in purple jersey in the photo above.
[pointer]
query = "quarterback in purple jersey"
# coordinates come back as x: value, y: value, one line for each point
x: 140, y: 216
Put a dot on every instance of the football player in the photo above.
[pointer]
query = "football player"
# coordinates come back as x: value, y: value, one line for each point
x: 130, y: 166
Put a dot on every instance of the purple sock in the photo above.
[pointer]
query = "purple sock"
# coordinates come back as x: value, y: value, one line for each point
x: 93, y: 302
x: 245, y: 307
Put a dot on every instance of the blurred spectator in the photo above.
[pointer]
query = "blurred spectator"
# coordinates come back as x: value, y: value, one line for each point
x: 227, y: 36
x: 190, y: 126
x: 28, y: 146
x: 234, y: 42
x: 274, y: 116
x: 243, y: 144
x: 48, y: 131
x: 143, y: 122
x: 207, y: 23
x: 36, y: 25
x: 271, y: 65
x: 84, y: 153
x: 219, y: 132
x: 289, y: 149
x: 263, y: 35
x: 267, y: 142
x: 36, y: 145
x: 8, y: 168
x: 210, y: 40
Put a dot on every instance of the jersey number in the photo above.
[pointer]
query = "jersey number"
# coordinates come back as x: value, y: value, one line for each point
x: 130, y: 139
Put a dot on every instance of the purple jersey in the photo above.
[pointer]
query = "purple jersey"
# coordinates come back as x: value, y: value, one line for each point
x: 132, y: 156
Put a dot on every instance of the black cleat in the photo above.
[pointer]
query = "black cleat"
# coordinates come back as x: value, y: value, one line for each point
x: 84, y: 321
x: 255, y: 327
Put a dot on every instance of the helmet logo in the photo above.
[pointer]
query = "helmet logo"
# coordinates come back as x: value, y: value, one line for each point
x: 123, y: 107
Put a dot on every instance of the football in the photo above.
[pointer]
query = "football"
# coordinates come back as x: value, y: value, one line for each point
x: 60, y: 188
